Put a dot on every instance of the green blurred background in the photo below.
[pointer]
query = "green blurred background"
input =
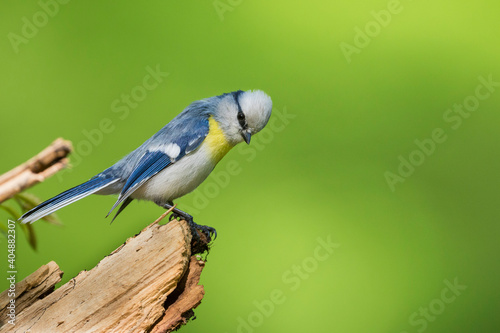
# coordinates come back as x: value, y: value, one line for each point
x: 319, y: 172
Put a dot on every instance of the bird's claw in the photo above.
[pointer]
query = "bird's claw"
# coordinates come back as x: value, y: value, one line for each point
x: 198, y: 244
x: 201, y: 237
x: 207, y: 231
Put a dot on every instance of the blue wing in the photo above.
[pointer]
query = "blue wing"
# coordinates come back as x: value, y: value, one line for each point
x: 168, y: 146
x: 151, y: 163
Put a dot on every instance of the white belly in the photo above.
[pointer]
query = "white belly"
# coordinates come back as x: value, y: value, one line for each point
x: 178, y: 179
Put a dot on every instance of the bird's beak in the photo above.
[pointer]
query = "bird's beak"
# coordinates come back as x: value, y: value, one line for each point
x: 246, y: 136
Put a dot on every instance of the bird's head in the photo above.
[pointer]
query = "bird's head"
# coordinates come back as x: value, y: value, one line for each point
x: 241, y: 114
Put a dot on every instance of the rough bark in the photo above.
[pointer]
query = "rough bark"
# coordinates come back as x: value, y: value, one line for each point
x: 35, y: 286
x: 149, y: 284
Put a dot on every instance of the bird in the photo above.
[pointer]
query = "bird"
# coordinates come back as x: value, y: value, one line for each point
x: 175, y: 160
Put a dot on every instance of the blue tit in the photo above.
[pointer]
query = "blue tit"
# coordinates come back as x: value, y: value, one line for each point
x: 175, y: 160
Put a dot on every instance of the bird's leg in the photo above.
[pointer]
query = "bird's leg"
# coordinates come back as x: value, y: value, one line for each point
x: 207, y: 231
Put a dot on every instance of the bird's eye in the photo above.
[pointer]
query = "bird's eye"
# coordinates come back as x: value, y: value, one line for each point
x: 242, y: 120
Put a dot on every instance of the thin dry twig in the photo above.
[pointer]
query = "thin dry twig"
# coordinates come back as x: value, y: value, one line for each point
x: 165, y: 214
x: 35, y: 170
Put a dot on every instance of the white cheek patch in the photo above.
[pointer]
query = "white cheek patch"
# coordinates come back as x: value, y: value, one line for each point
x: 172, y: 150
x: 257, y: 106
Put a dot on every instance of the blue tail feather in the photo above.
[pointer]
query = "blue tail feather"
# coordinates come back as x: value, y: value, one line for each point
x: 65, y: 198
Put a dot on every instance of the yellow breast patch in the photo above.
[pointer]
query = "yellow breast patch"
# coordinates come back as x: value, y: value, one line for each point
x: 216, y: 141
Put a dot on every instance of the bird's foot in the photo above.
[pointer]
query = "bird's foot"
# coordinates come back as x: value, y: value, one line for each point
x: 207, y: 231
x: 202, y: 235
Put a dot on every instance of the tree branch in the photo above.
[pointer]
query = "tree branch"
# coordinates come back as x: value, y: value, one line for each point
x: 37, y: 169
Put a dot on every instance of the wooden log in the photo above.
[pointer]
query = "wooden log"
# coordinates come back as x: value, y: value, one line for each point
x: 33, y: 287
x: 149, y: 284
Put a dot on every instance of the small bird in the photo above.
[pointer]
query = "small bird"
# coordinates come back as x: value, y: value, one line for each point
x: 177, y: 159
